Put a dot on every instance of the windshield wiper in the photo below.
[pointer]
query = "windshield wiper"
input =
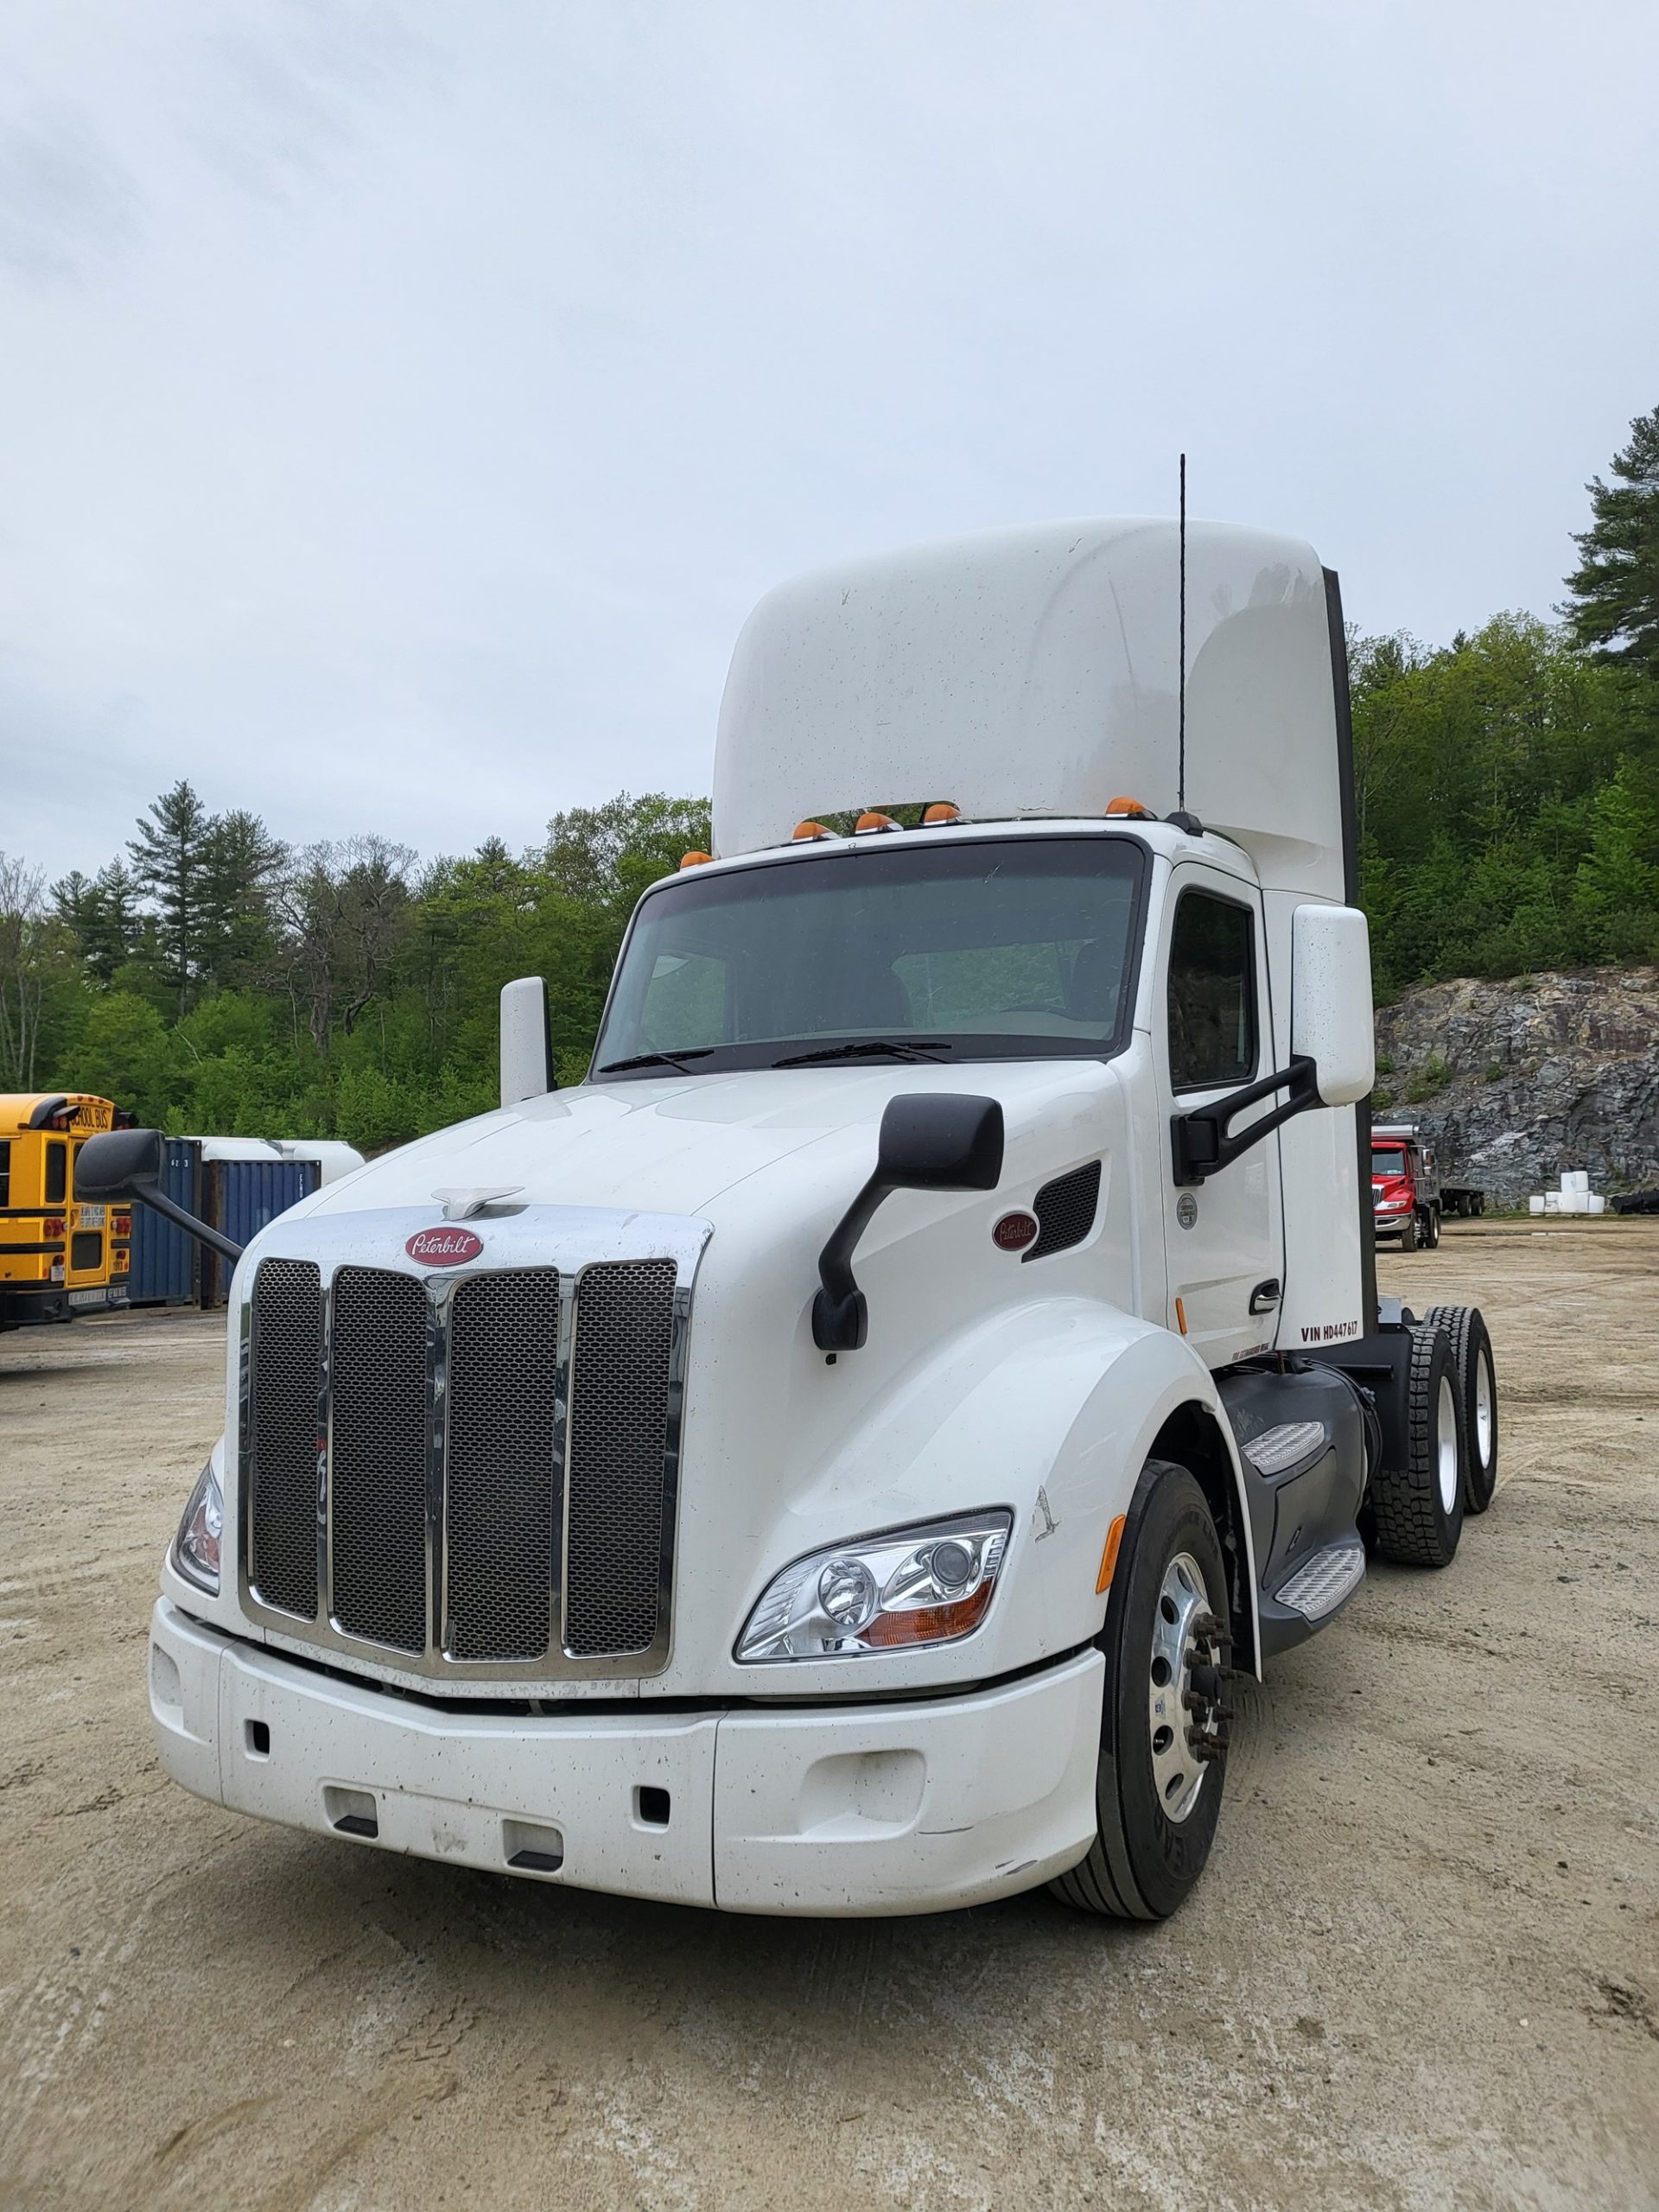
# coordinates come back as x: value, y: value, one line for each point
x: 886, y: 1048
x: 657, y: 1060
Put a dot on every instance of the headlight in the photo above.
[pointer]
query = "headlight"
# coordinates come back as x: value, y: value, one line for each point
x: 907, y: 1588
x: 195, y: 1549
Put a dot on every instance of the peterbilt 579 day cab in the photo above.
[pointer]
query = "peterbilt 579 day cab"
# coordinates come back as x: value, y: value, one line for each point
x: 836, y: 1458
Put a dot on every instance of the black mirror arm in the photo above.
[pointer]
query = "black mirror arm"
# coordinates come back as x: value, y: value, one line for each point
x: 160, y: 1203
x: 1202, y: 1142
x: 841, y: 1319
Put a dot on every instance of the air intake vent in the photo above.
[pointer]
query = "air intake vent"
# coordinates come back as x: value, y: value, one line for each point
x: 1065, y: 1211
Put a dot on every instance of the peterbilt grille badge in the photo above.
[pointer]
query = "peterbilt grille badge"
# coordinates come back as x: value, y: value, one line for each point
x: 443, y: 1247
x: 1014, y: 1232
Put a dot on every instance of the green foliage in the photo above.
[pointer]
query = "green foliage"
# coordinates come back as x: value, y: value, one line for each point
x: 224, y: 985
x: 1614, y: 605
x: 1434, y: 1076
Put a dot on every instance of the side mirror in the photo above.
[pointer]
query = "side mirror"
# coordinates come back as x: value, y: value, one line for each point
x: 120, y: 1164
x: 1330, y: 1001
x: 930, y: 1140
x: 130, y: 1164
x: 526, y: 1041
x: 940, y: 1141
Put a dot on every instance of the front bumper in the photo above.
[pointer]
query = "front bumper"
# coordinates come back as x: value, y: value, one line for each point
x: 854, y: 1810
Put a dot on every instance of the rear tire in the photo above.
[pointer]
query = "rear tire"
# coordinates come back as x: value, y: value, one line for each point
x: 1419, y: 1507
x: 1431, y: 1230
x: 1471, y: 1363
x: 1165, y: 1641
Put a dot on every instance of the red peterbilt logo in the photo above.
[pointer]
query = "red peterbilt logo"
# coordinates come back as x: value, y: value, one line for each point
x: 443, y: 1247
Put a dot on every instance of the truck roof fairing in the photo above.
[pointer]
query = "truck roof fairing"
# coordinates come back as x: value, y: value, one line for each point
x: 1034, y: 673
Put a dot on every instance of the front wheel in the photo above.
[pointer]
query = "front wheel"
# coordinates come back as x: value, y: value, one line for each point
x: 1408, y: 1233
x: 1164, y: 1724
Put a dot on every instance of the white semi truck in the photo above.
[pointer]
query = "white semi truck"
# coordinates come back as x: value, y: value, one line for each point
x: 835, y: 1459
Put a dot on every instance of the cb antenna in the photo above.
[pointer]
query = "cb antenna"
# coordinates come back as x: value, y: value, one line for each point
x: 1180, y: 781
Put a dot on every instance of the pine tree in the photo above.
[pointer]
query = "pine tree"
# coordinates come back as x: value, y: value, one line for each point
x: 239, y: 861
x: 103, y: 913
x: 1614, y: 608
x: 169, y: 856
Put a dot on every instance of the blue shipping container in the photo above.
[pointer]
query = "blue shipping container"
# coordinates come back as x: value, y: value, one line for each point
x: 240, y: 1196
x: 163, y: 1257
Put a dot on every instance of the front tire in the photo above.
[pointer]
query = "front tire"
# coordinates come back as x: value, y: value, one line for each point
x: 1163, y: 1752
x: 1408, y: 1233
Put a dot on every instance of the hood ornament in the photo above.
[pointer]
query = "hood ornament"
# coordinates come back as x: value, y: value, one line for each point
x: 466, y: 1205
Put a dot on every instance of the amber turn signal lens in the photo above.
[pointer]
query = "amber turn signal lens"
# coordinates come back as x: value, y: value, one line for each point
x: 695, y: 860
x: 931, y: 1624
x: 1109, y: 1557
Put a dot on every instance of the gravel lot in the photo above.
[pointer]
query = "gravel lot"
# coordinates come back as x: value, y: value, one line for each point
x: 1423, y: 1968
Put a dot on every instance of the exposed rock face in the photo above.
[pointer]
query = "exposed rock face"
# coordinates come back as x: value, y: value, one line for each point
x: 1542, y: 1072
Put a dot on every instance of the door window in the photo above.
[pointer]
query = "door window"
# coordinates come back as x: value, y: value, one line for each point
x: 1211, y: 993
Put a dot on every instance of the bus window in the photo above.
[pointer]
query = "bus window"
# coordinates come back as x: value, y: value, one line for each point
x: 57, y: 1174
x: 5, y: 1170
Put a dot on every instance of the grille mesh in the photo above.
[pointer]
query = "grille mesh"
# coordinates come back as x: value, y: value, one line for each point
x: 285, y: 1377
x: 377, y: 1457
x: 618, y: 1414
x: 1065, y: 1211
x: 503, y: 1465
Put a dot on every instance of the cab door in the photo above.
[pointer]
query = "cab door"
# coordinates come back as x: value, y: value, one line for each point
x: 1224, y: 1239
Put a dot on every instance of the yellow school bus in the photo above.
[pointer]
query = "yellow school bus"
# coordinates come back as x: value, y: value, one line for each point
x: 56, y: 1258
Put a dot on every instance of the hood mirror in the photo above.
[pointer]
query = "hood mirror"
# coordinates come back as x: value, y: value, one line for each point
x: 128, y: 1165
x: 930, y: 1140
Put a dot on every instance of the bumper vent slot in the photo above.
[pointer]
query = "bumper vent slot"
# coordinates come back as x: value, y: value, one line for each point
x: 502, y: 1465
x: 377, y: 1457
x: 616, y: 1541
x: 1065, y: 1211
x: 285, y: 1360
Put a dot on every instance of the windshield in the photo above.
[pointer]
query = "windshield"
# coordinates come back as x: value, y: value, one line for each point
x: 1388, y: 1160
x: 985, y: 949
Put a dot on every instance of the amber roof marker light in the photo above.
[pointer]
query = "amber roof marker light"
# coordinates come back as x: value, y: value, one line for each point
x: 1129, y: 810
x: 805, y: 832
x: 872, y: 820
x: 695, y: 859
x: 940, y: 812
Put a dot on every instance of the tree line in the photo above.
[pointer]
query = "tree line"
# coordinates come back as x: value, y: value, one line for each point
x: 211, y: 977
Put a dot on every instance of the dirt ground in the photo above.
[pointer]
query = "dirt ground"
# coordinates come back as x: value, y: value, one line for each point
x: 1423, y: 1969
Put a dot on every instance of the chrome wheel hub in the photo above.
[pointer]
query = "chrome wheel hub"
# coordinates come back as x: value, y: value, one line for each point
x: 1189, y: 1723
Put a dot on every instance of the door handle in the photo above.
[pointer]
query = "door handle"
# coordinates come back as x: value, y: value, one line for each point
x: 1265, y: 1296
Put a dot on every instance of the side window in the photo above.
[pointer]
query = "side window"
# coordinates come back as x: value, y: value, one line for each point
x: 1211, y: 993
x: 5, y: 1170
x: 57, y: 1173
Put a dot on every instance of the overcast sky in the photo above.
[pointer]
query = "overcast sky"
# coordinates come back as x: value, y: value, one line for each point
x: 401, y: 406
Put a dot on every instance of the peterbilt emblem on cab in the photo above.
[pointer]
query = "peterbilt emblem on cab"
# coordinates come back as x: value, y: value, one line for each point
x: 1014, y: 1231
x: 443, y: 1247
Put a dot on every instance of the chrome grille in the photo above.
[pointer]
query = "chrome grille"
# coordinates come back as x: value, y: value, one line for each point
x: 501, y: 1470
x: 469, y: 1475
x: 285, y: 1360
x: 377, y: 1458
x: 619, y: 1410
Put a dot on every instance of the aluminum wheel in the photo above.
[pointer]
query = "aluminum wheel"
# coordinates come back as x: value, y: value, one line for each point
x: 1485, y: 1407
x: 1183, y: 1637
x: 1445, y: 1444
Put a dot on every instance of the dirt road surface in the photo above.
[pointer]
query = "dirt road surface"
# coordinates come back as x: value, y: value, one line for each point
x: 1423, y: 1969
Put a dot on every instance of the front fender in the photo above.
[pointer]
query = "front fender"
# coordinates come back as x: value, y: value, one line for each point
x: 1051, y: 1410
